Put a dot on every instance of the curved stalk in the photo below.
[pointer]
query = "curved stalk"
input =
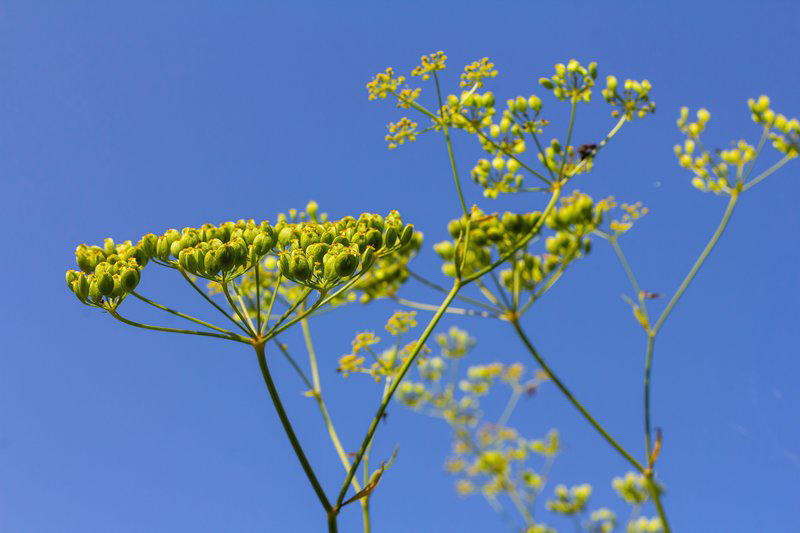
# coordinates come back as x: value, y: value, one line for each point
x: 182, y: 315
x: 232, y: 337
x: 395, y: 383
x: 209, y: 300
x: 287, y: 426
x: 589, y: 418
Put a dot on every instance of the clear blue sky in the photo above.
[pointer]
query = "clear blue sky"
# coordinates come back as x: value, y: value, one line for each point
x: 117, y: 121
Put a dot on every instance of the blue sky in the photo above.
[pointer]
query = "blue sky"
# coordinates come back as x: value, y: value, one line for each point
x: 120, y: 120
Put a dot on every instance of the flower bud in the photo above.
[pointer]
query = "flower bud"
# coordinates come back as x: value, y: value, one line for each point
x: 105, y: 283
x: 81, y: 287
x: 367, y: 259
x: 262, y: 243
x: 444, y: 249
x: 407, y: 235
x: 301, y: 269
x: 511, y: 221
x: 390, y: 238
x: 535, y: 103
x: 454, y: 228
x: 345, y: 264
x: 546, y: 83
x: 225, y: 257
x: 521, y: 104
x: 374, y: 239
x: 129, y: 279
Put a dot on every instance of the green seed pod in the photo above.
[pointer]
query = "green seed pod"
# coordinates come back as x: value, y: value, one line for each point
x: 129, y: 279
x: 285, y: 236
x: 105, y: 283
x: 374, y: 239
x: 449, y: 269
x: 108, y: 246
x: 307, y: 238
x: 367, y: 259
x: 329, y: 266
x: 72, y: 275
x: 81, y: 287
x: 301, y: 270
x: 551, y: 244
x: 262, y: 243
x: 546, y: 83
x: 328, y: 237
x: 390, y: 238
x: 94, y: 292
x: 316, y: 252
x: 118, y: 291
x: 210, y: 262
x: 478, y: 237
x: 407, y: 235
x: 175, y: 248
x: 512, y: 221
x: 494, y: 234
x: 183, y: 260
x: 341, y: 239
x: 521, y: 104
x: 226, y: 257
x: 286, y: 264
x: 162, y: 248
x: 346, y: 263
x: 454, y: 228
x: 250, y: 234
x: 172, y: 235
x: 445, y: 250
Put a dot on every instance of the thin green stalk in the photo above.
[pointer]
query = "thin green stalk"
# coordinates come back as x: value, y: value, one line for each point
x: 452, y: 310
x: 258, y: 297
x: 287, y: 426
x: 752, y: 165
x: 569, y: 137
x: 182, y: 315
x: 243, y: 307
x: 202, y: 293
x: 450, y: 154
x: 766, y: 173
x: 700, y: 260
x: 273, y: 330
x: 441, y: 289
x: 275, y: 289
x: 517, y: 501
x: 510, y: 406
x: 600, y: 429
x: 543, y: 289
x: 236, y: 309
x: 232, y: 337
x: 631, y: 277
x: 656, y: 495
x: 293, y: 363
x: 648, y: 364
x: 600, y: 145
x: 395, y: 383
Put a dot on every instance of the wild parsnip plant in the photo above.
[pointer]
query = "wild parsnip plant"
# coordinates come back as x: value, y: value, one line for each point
x: 263, y: 278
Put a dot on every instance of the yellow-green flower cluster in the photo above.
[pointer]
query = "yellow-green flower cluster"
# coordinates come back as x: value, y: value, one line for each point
x: 784, y: 132
x: 572, y: 81
x: 455, y: 343
x: 644, y: 525
x: 400, y: 132
x: 430, y: 63
x: 401, y: 322
x: 476, y: 72
x: 110, y: 272
x: 570, y: 501
x: 602, y: 521
x: 383, y: 84
x: 712, y: 172
x: 632, y: 488
x: 505, y: 142
x: 633, y: 100
x: 550, y: 446
x: 630, y: 214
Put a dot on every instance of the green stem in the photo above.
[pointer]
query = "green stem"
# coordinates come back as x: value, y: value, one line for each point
x: 232, y: 337
x: 293, y: 363
x: 287, y: 426
x: 569, y: 137
x: 452, y: 310
x: 236, y: 309
x: 182, y: 315
x: 395, y: 383
x: 209, y: 300
x: 275, y: 290
x: 600, y: 429
x: 766, y: 173
x: 648, y: 364
x: 258, y: 297
x: 441, y: 289
x: 656, y: 495
x: 600, y: 145
x: 700, y: 260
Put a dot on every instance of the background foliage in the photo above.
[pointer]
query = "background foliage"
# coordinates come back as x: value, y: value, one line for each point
x: 120, y: 121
